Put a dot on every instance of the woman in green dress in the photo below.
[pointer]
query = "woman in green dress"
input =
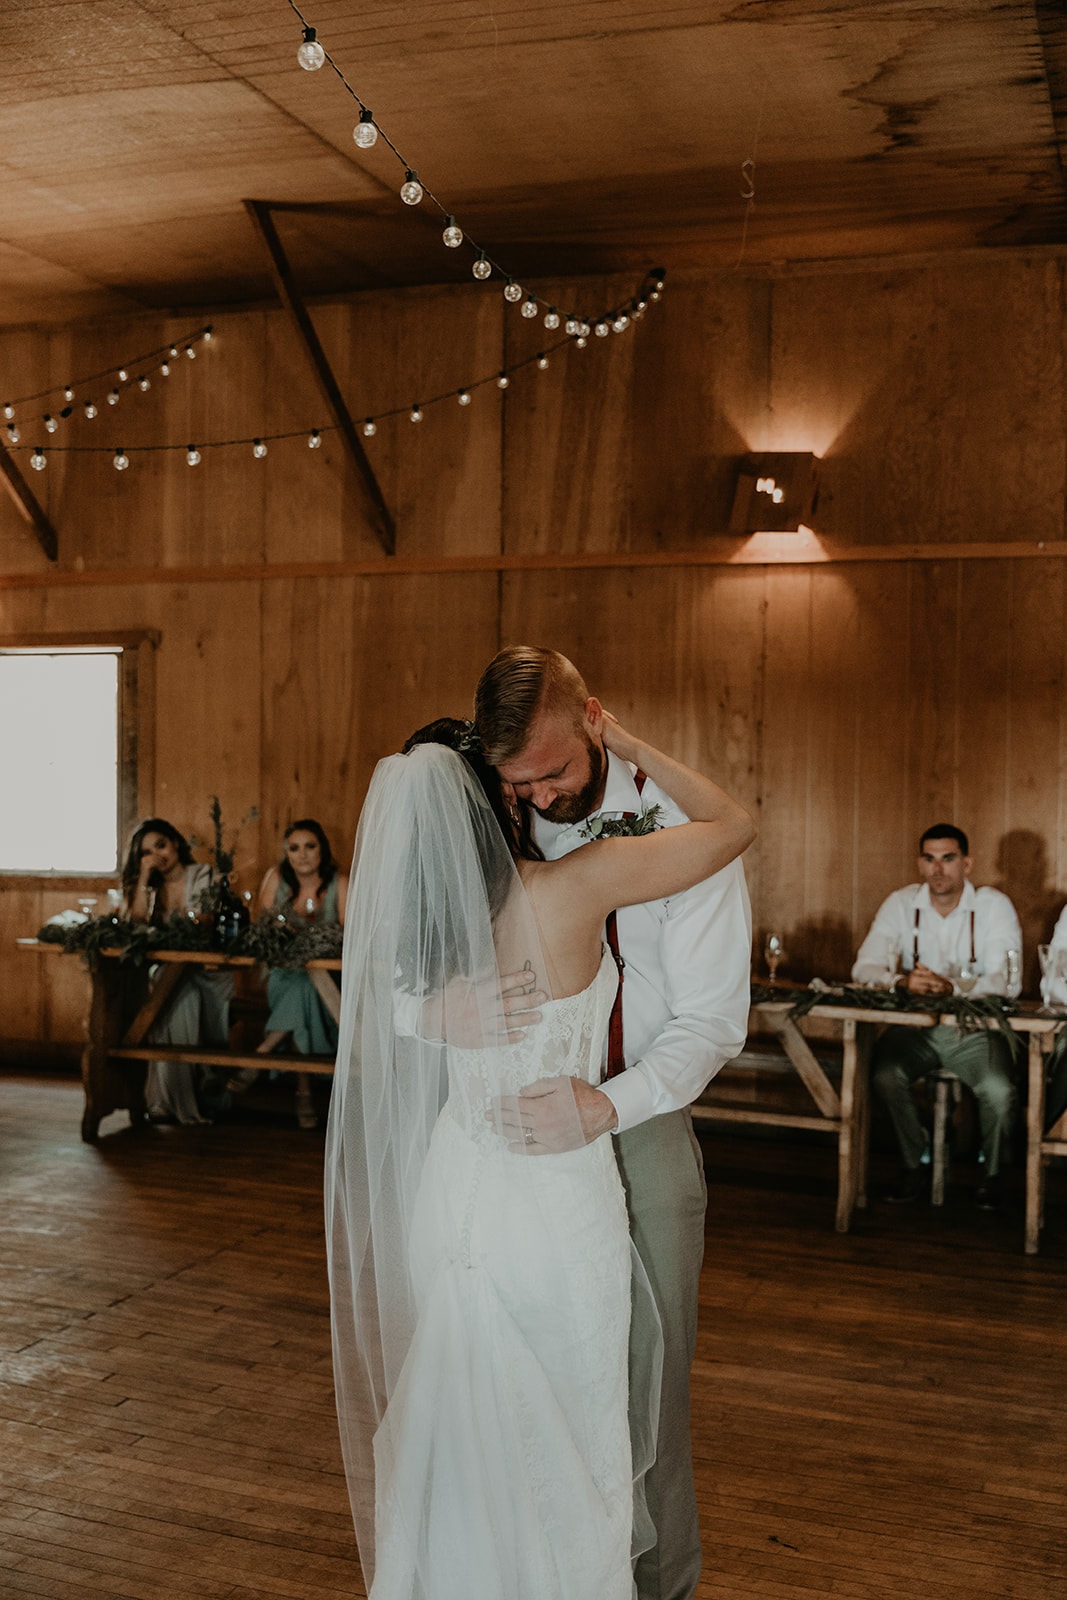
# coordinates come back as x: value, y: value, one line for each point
x: 305, y: 886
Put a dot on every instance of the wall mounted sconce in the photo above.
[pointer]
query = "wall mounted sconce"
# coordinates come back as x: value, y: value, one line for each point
x: 777, y: 492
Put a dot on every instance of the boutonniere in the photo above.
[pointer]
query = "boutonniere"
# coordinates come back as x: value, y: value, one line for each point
x: 621, y: 827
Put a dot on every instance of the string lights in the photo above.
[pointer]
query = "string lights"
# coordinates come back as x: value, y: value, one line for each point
x: 90, y: 408
x: 311, y: 55
x: 632, y: 311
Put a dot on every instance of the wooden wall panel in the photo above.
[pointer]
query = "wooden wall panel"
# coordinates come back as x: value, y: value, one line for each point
x: 849, y: 705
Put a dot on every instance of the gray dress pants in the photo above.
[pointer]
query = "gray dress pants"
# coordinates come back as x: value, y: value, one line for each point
x: 982, y: 1060
x: 663, y: 1176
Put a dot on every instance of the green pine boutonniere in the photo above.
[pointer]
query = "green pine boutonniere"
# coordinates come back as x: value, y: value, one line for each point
x: 622, y: 827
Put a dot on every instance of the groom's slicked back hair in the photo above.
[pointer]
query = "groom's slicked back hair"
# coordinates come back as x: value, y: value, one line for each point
x: 520, y: 684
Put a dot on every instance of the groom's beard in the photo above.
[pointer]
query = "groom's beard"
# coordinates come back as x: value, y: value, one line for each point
x: 568, y: 808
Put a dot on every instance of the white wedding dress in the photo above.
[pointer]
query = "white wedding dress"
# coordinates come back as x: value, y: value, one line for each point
x: 502, y: 1464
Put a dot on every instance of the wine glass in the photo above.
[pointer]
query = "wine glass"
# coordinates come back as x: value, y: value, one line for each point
x: 1047, y: 961
x: 1012, y: 970
x: 892, y: 959
x: 774, y: 954
x: 967, y: 976
x: 86, y: 905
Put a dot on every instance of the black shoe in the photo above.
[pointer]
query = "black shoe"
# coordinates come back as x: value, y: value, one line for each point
x: 989, y: 1197
x: 908, y: 1187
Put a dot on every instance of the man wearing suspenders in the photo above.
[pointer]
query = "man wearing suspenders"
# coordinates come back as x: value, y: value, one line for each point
x: 684, y: 964
x: 949, y: 938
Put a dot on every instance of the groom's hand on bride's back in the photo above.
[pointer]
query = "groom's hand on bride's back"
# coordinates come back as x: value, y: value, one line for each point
x: 472, y: 1016
x: 552, y: 1115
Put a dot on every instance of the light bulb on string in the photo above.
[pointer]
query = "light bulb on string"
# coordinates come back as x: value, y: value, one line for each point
x: 463, y: 398
x: 121, y: 460
x: 529, y: 306
x: 482, y: 268
x: 310, y: 55
x: 411, y: 188
x: 621, y: 324
x: 68, y: 393
x: 654, y: 294
x: 190, y: 352
x: 123, y: 374
x: 573, y: 326
x: 207, y: 336
x: 581, y: 341
x: 542, y: 362
x: 9, y: 412
x: 512, y: 291
x: 37, y: 460
x: 165, y: 369
x: 113, y: 397
x: 50, y: 424
x: 370, y: 428
x: 551, y: 317
x: 192, y: 456
x: 584, y: 329
x: 90, y: 409
x: 259, y: 449
x: 416, y: 413
x: 453, y: 235
x: 365, y: 133
x: 13, y: 433
x: 503, y: 381
x: 602, y: 330
x: 144, y: 383
x: 173, y: 352
x: 315, y: 440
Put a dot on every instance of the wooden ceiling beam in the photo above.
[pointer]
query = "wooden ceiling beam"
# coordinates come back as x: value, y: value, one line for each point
x: 28, y: 504
x: 381, y: 517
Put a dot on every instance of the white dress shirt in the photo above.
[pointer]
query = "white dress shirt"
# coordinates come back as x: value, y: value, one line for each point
x: 1054, y: 984
x: 944, y: 942
x: 685, y: 992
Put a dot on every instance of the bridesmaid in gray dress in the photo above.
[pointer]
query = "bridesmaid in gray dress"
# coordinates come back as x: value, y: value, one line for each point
x: 159, y: 878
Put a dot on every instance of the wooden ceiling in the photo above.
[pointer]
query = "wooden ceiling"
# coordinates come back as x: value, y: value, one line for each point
x: 568, y: 138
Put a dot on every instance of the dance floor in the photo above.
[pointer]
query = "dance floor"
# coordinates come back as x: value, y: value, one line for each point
x: 877, y: 1415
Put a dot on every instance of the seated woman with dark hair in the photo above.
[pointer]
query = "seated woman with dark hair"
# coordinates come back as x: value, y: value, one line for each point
x: 304, y: 886
x: 160, y: 878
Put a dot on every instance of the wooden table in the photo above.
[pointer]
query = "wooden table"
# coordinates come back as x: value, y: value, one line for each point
x: 846, y: 1114
x: 121, y: 1014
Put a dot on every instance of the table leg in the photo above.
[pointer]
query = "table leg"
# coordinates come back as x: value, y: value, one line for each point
x: 847, y: 1172
x: 108, y: 1086
x: 1035, y: 1117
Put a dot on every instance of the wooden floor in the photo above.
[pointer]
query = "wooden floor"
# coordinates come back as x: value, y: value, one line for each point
x: 876, y: 1416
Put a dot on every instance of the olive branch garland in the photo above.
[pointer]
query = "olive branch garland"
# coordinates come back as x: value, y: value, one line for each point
x: 271, y: 939
x: 972, y: 1013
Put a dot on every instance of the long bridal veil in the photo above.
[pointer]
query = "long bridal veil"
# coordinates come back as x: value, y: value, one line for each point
x: 437, y: 919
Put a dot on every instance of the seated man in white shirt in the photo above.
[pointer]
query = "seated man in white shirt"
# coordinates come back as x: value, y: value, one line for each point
x: 1054, y: 993
x: 950, y: 936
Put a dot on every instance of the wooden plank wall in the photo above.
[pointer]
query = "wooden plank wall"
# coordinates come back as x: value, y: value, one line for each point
x: 850, y: 704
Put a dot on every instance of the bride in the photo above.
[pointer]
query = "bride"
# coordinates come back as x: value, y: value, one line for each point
x: 482, y: 1282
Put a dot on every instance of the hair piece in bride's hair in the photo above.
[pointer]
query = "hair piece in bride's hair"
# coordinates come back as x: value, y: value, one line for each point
x: 457, y: 734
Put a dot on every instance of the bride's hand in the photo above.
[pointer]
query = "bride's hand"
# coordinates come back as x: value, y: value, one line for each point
x: 618, y: 741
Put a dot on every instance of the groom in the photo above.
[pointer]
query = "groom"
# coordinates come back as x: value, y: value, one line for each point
x: 685, y: 999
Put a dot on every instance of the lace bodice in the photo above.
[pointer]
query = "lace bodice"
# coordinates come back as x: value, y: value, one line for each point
x: 567, y: 1042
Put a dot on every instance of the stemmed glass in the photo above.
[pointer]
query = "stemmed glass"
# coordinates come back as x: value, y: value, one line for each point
x: 1047, y: 960
x: 892, y: 960
x: 774, y: 954
x: 967, y: 976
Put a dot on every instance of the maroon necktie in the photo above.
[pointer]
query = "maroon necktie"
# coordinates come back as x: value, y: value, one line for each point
x: 616, y: 1059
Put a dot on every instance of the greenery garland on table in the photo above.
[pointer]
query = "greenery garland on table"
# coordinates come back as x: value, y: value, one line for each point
x: 972, y: 1012
x: 272, y: 939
